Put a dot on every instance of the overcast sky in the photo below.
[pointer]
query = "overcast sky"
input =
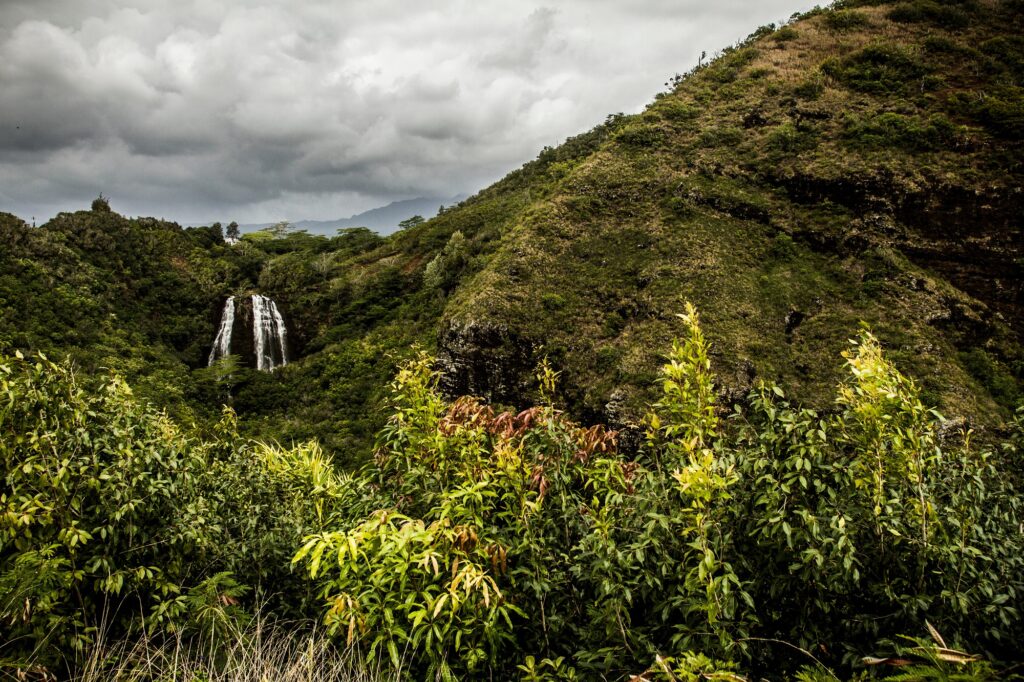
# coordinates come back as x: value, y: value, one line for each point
x: 261, y: 110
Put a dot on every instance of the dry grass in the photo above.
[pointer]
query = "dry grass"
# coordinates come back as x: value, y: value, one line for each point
x: 264, y: 651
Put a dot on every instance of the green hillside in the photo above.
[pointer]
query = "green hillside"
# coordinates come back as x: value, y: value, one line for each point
x: 856, y: 165
x: 506, y: 445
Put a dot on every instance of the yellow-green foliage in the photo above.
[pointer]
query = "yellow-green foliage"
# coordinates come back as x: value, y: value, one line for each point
x: 522, y: 541
x: 112, y: 515
x: 484, y: 543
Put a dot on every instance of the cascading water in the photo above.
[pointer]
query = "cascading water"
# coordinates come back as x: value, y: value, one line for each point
x: 222, y: 344
x: 269, y: 332
x: 261, y: 335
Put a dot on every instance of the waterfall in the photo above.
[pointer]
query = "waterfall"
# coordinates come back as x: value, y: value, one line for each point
x: 269, y: 333
x: 263, y: 343
x: 222, y: 344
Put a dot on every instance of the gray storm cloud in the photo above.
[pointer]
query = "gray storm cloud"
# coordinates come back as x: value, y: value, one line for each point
x: 264, y: 110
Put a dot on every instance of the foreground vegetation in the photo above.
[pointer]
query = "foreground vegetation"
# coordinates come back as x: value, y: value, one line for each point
x: 859, y: 163
x: 770, y: 541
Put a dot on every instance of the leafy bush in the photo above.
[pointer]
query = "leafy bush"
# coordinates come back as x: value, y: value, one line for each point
x: 713, y: 538
x: 485, y: 543
x: 789, y: 138
x: 444, y: 270
x: 678, y: 112
x: 785, y: 34
x: 992, y: 375
x: 1009, y: 51
x: 90, y: 503
x: 723, y: 136
x: 809, y: 89
x: 110, y: 510
x: 1001, y: 110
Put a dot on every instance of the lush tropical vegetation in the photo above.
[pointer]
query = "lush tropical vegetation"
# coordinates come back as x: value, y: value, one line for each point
x: 767, y: 540
x: 506, y: 447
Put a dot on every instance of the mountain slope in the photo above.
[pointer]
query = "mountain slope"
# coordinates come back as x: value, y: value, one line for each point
x: 861, y: 164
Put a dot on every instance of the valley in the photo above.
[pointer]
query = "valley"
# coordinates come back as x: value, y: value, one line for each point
x: 744, y: 368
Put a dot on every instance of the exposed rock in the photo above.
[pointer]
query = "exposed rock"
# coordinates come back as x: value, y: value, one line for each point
x: 486, y: 360
x: 971, y: 237
x: 736, y: 390
x: 793, y: 320
x: 949, y: 431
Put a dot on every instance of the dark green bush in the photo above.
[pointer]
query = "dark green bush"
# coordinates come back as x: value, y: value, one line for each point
x: 945, y: 46
x: 809, y: 89
x: 785, y: 34
x: 947, y: 15
x: 636, y: 135
x: 724, y: 136
x: 1001, y: 110
x: 844, y: 21
x: 991, y: 374
x: 678, y: 112
x: 115, y: 517
x: 790, y: 139
x: 552, y: 301
x: 880, y: 69
x: 773, y: 529
x: 1008, y: 51
x: 896, y: 131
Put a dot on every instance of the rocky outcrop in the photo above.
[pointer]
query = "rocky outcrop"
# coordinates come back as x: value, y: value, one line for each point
x: 971, y: 237
x: 485, y: 359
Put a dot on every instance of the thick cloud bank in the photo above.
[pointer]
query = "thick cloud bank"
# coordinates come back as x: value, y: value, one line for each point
x: 256, y: 111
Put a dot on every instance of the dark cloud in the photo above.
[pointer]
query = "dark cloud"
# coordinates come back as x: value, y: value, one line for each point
x: 255, y: 111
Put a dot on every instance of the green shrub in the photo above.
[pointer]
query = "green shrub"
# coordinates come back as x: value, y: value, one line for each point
x: 91, y: 504
x: 678, y: 112
x: 713, y: 535
x: 789, y: 139
x: 552, y: 301
x: 896, y: 131
x: 444, y: 271
x: 785, y: 34
x: 1008, y: 51
x: 722, y: 136
x: 844, y: 21
x: 783, y: 247
x: 996, y: 379
x: 809, y: 89
x: 872, y: 481
x: 113, y: 516
x: 938, y: 44
x: 944, y: 14
x: 1000, y: 111
x: 636, y: 135
x: 880, y: 68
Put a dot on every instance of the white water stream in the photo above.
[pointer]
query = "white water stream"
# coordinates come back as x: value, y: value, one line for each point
x: 269, y: 333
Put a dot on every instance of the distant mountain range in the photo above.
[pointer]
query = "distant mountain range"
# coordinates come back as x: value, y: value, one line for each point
x: 382, y: 220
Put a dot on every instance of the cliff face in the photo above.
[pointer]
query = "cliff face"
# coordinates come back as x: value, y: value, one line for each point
x: 859, y: 164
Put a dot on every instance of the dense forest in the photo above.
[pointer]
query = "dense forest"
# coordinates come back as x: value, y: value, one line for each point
x: 506, y: 446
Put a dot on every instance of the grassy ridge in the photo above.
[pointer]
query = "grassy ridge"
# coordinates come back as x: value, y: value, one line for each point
x: 812, y: 177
